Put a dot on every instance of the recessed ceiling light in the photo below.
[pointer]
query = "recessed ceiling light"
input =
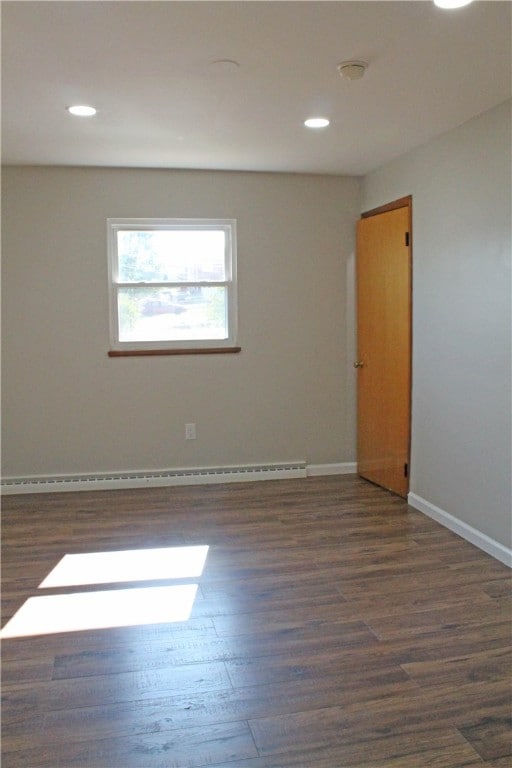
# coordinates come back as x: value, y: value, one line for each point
x: 81, y: 110
x: 452, y: 3
x: 316, y: 122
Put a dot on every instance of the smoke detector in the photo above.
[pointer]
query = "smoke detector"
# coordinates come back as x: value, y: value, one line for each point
x: 352, y: 70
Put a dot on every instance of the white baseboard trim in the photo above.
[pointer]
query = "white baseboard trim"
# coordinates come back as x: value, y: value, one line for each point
x: 474, y: 536
x: 346, y: 468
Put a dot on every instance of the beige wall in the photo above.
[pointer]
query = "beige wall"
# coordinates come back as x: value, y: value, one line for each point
x: 461, y: 408
x: 68, y: 408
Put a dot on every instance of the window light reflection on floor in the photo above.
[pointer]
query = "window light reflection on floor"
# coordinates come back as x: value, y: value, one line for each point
x: 127, y: 565
x: 49, y: 614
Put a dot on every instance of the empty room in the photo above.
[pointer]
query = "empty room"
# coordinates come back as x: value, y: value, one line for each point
x: 256, y: 384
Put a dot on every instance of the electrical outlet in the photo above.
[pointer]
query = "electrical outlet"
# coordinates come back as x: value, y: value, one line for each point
x: 190, y: 431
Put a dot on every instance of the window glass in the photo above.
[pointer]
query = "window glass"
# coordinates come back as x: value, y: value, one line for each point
x: 177, y: 256
x: 161, y: 314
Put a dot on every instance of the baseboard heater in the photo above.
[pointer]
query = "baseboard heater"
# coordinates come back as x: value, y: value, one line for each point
x: 148, y: 479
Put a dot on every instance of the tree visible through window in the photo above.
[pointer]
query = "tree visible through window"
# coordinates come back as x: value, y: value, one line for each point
x: 172, y: 283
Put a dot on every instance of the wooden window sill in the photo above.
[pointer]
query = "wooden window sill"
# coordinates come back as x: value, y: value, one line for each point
x: 191, y: 351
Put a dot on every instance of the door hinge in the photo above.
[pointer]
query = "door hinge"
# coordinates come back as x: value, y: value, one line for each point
x: 407, y: 238
x: 406, y: 470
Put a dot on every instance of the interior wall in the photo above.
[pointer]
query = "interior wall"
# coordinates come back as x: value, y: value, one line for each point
x: 289, y: 395
x: 461, y: 401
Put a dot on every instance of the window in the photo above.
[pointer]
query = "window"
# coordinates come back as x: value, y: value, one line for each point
x: 172, y: 285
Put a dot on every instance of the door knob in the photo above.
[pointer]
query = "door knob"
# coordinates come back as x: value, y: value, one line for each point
x: 358, y: 364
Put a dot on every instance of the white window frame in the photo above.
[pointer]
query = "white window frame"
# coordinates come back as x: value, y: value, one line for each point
x: 228, y: 226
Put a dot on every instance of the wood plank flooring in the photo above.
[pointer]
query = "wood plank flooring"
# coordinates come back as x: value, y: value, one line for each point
x: 333, y: 627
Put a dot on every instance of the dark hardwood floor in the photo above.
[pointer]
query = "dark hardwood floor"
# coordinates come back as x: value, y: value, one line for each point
x: 333, y: 627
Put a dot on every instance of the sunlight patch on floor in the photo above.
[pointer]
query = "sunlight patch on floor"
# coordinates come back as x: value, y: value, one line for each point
x: 50, y: 614
x: 127, y: 565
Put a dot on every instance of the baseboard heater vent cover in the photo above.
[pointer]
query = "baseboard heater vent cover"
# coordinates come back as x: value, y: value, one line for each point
x: 155, y: 478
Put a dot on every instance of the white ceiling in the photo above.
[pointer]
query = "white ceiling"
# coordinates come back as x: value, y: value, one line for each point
x: 147, y: 67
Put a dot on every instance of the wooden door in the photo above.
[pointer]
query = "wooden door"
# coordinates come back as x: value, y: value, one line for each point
x: 384, y: 346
